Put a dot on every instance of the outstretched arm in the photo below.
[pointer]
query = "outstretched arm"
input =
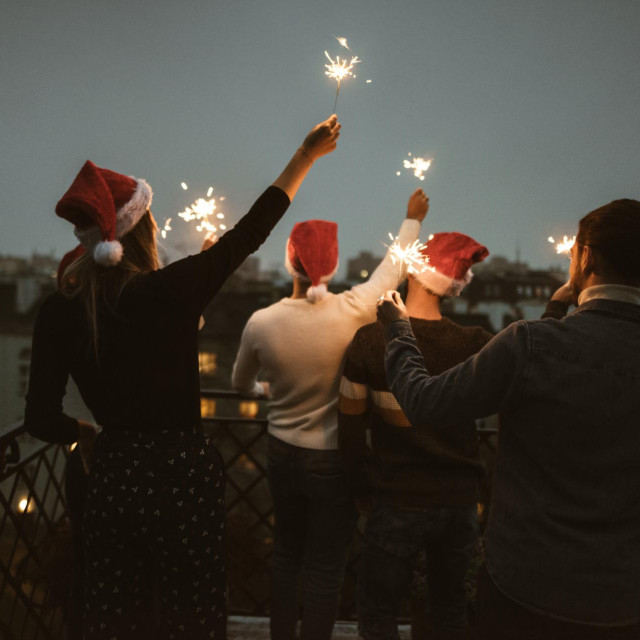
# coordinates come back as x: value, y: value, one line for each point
x: 193, y: 281
x: 476, y: 388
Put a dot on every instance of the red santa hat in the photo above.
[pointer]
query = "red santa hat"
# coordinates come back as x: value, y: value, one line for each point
x: 104, y: 206
x: 312, y: 254
x: 451, y: 256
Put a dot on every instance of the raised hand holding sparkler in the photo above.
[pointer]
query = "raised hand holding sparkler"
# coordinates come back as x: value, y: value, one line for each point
x: 322, y: 139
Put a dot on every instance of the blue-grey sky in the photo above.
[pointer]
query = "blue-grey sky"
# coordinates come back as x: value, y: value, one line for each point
x: 528, y: 108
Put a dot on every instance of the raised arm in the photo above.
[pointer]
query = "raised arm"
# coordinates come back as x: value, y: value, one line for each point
x: 388, y: 275
x: 193, y: 281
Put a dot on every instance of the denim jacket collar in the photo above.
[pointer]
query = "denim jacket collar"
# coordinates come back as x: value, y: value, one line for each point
x: 627, y: 310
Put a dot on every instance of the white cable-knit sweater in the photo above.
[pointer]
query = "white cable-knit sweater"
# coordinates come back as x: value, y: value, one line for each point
x: 298, y: 347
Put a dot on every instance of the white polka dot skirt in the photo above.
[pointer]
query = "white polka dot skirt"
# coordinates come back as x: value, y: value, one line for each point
x: 154, y: 538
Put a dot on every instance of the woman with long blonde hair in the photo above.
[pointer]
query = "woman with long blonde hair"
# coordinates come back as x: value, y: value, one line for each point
x: 126, y: 332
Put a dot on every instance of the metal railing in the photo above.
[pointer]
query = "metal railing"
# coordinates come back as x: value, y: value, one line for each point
x: 35, y: 533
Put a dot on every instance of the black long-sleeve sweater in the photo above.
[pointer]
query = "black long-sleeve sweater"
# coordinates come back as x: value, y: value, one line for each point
x: 146, y: 375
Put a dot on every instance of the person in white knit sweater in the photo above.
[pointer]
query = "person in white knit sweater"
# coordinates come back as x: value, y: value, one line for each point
x: 297, y: 345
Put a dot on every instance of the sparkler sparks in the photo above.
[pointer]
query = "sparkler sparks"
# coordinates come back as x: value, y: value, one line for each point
x: 166, y: 227
x: 411, y: 256
x: 564, y: 246
x: 343, y: 42
x: 419, y: 166
x: 202, y: 210
x: 339, y: 70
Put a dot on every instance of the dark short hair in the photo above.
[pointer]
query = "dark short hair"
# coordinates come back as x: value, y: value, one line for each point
x: 614, y: 232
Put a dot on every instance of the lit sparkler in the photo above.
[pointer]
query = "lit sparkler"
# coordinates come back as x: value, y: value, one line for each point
x: 419, y: 166
x: 411, y: 256
x: 564, y: 246
x: 203, y: 211
x: 339, y: 70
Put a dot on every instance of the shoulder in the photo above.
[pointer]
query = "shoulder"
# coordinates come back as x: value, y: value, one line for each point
x: 55, y: 306
x: 58, y: 314
x: 369, y: 333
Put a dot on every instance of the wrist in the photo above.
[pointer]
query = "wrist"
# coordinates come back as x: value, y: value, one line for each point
x: 304, y: 153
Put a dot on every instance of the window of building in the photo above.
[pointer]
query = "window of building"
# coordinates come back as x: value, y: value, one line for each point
x: 207, y: 362
x: 248, y: 408
x: 208, y: 407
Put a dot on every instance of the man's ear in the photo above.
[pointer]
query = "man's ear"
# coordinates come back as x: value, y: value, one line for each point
x: 587, y: 261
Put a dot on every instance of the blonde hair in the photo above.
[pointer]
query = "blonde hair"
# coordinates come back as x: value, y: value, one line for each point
x: 98, y: 285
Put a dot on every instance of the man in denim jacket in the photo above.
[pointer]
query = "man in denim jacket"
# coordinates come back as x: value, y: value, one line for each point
x: 563, y: 538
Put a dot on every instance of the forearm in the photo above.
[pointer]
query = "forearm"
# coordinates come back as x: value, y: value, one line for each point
x: 244, y: 376
x: 60, y: 428
x: 478, y: 387
x: 294, y: 173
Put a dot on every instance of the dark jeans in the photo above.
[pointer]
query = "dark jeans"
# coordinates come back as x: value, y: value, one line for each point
x: 393, y: 538
x: 501, y: 618
x: 315, y: 521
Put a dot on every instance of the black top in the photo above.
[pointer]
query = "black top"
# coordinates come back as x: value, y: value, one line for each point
x: 146, y: 376
x: 408, y: 466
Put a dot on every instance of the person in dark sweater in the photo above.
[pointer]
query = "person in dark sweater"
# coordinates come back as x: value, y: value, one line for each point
x: 126, y: 332
x: 418, y: 487
x: 562, y: 555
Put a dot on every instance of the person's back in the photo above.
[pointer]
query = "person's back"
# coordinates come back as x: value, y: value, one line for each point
x: 416, y: 484
x: 567, y: 469
x: 302, y: 348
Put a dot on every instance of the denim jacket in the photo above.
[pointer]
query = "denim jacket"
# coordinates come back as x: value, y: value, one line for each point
x: 563, y: 535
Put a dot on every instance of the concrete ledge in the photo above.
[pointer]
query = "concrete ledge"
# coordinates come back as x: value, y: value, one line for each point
x: 254, y: 628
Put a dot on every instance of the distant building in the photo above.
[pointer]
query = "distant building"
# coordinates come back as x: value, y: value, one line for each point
x: 506, y: 291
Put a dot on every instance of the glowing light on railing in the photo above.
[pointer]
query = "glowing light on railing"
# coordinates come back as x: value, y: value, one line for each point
x: 23, y: 505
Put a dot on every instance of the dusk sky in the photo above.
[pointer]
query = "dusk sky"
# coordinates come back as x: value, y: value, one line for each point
x: 529, y: 109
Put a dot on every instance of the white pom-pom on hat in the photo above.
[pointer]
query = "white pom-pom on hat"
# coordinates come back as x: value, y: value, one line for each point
x: 108, y: 253
x: 317, y: 293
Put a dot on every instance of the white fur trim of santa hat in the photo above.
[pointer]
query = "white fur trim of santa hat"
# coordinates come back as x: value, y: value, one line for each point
x: 442, y: 285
